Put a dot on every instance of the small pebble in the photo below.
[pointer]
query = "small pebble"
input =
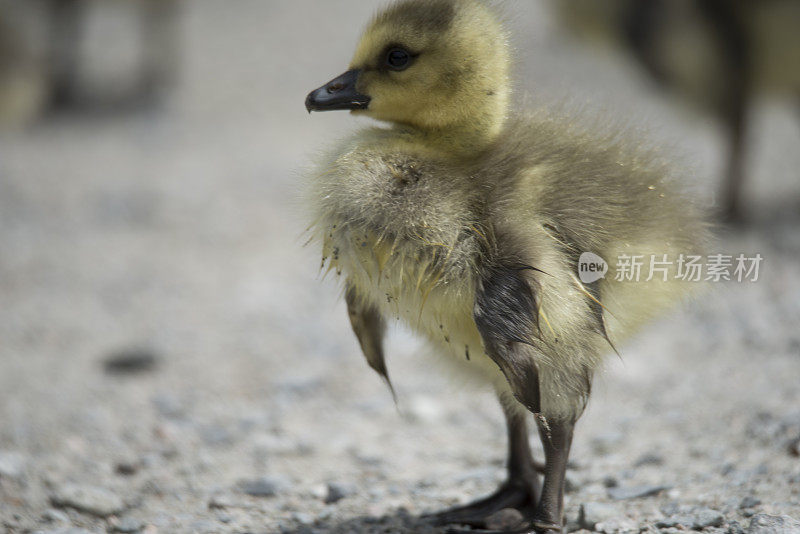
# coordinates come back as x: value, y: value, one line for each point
x: 128, y: 525
x: 610, y: 482
x: 127, y: 468
x: 618, y: 525
x: 338, y: 491
x: 591, y: 513
x: 66, y: 530
x: 268, y: 486
x: 90, y: 499
x: 749, y: 502
x: 303, y: 518
x: 649, y: 459
x: 794, y: 447
x: 706, y: 517
x: 12, y: 465
x: 773, y: 524
x: 571, y: 485
x: 130, y: 361
x: 223, y: 500
x: 52, y: 515
x: 696, y: 519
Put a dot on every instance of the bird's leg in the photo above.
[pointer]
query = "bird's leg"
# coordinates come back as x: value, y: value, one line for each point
x: 505, y: 304
x: 548, y: 516
x: 519, y: 491
x: 65, y: 25
x: 728, y: 29
x: 735, y: 169
x: 160, y: 55
x: 556, y: 439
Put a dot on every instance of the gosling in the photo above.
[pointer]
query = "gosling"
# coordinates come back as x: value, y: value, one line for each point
x: 466, y: 218
x: 36, y: 79
x: 720, y: 55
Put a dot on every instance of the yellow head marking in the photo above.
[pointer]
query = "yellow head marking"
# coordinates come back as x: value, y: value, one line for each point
x: 455, y: 82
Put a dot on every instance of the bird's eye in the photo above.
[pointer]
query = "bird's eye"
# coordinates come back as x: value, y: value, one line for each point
x: 398, y: 59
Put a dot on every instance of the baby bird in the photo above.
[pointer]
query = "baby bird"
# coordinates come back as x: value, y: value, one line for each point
x: 466, y: 218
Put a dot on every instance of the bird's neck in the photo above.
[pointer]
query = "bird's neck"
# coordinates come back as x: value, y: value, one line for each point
x: 470, y: 130
x: 461, y: 140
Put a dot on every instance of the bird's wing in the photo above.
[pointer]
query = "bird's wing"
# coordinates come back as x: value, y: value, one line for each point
x: 369, y: 327
x: 505, y: 314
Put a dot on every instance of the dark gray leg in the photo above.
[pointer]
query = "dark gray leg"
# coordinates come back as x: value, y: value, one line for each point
x: 727, y: 26
x: 161, y: 42
x: 734, y: 175
x: 65, y: 36
x: 505, y: 314
x: 520, y: 490
x: 548, y: 516
x: 556, y: 438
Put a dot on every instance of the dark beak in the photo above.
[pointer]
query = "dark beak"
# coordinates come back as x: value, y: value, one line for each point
x: 339, y: 93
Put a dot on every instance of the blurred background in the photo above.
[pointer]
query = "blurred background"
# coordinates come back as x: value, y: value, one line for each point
x: 171, y: 362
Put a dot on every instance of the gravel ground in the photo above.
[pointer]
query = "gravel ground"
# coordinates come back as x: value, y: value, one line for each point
x: 171, y: 362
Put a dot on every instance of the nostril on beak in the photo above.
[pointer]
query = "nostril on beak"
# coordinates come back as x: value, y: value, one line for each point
x: 335, y: 87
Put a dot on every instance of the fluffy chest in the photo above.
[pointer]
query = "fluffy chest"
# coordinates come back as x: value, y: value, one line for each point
x: 407, y: 234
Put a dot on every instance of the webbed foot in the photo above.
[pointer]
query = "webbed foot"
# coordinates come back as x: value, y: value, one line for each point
x: 518, y: 494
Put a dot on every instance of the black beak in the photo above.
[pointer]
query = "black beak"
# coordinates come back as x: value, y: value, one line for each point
x: 339, y: 93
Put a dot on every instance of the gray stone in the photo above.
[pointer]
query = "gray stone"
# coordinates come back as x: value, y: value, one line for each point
x: 90, y: 499
x: 303, y: 518
x: 268, y: 486
x: 591, y: 513
x: 224, y: 500
x: 338, y: 491
x: 571, y: 484
x: 53, y: 515
x: 672, y: 508
x: 682, y: 521
x: 618, y: 525
x: 67, y: 530
x: 706, y: 517
x: 633, y: 492
x: 696, y: 519
x: 649, y: 459
x: 773, y: 524
x: 130, y: 361
x: 794, y: 447
x: 749, y: 502
x: 12, y: 464
x: 128, y: 525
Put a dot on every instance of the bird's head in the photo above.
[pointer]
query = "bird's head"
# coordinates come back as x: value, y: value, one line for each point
x: 439, y: 66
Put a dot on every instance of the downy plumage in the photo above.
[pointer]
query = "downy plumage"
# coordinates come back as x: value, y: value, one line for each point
x: 465, y: 219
